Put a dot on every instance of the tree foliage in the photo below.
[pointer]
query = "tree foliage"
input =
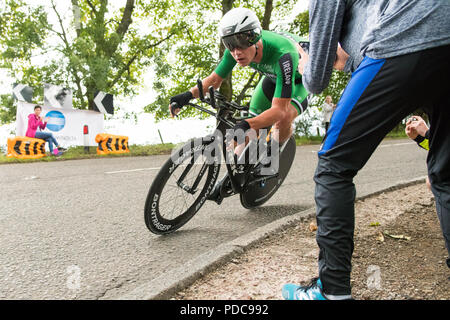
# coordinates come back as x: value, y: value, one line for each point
x: 101, y: 46
x: 199, y: 51
x: 106, y: 45
x: 338, y: 80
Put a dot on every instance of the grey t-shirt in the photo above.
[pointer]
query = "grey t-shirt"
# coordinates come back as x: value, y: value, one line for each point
x: 375, y: 28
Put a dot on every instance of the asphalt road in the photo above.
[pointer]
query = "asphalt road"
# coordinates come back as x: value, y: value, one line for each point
x: 75, y: 229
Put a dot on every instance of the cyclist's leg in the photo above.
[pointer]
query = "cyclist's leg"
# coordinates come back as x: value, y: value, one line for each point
x: 260, y: 102
x: 299, y: 103
x: 379, y: 95
x: 263, y: 96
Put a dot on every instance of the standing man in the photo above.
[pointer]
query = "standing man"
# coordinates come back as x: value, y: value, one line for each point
x: 327, y: 110
x: 405, y: 48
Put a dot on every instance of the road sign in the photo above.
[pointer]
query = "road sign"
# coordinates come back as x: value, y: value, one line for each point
x: 104, y: 102
x: 22, y: 92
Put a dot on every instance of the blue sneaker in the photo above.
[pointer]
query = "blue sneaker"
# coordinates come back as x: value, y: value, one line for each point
x: 313, y: 291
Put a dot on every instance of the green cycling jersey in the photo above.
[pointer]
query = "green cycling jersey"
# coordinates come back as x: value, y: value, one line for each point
x: 279, y: 62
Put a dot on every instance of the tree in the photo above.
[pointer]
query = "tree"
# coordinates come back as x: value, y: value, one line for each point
x: 338, y: 80
x: 7, y: 108
x: 337, y: 84
x: 199, y: 52
x: 102, y: 47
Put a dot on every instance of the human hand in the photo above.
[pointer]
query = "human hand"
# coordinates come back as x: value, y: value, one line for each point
x: 179, y: 101
x: 304, y: 57
x: 174, y: 110
x: 412, y: 134
x: 416, y: 126
x: 341, y: 59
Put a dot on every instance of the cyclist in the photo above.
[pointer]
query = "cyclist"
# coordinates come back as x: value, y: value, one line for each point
x: 279, y: 97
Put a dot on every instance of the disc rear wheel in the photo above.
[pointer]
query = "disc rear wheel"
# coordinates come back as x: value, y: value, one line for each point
x: 256, y: 194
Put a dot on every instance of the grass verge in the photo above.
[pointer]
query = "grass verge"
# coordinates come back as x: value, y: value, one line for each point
x: 76, y: 153
x: 79, y: 153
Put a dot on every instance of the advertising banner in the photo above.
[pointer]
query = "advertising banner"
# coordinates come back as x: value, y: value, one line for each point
x: 66, y: 124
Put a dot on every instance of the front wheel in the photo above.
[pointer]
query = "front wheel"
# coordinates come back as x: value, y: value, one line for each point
x: 182, y: 186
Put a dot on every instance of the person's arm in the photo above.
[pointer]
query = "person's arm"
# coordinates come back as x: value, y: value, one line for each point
x: 215, y: 79
x: 212, y: 80
x: 423, y: 142
x: 281, y: 102
x: 280, y: 108
x: 43, y: 123
x: 325, y: 22
x: 31, y: 123
x: 418, y: 131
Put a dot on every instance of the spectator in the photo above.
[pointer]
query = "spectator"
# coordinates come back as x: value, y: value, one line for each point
x: 418, y: 130
x: 327, y: 109
x: 35, y: 121
x: 396, y: 52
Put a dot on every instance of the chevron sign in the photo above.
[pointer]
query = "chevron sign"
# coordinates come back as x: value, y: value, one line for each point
x: 22, y: 92
x: 104, y: 102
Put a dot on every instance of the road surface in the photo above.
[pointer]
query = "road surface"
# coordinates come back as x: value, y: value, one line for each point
x: 75, y: 229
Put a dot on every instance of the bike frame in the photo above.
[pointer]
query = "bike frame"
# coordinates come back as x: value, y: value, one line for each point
x: 225, y: 120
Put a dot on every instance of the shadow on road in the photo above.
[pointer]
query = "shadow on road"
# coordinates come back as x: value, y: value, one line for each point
x: 226, y: 223
x: 285, y: 209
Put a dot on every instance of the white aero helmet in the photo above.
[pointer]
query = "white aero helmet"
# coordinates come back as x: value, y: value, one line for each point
x: 240, y: 28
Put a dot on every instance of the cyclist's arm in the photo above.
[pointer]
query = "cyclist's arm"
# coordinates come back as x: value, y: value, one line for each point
x: 223, y: 69
x: 212, y: 80
x: 280, y: 108
x: 281, y: 102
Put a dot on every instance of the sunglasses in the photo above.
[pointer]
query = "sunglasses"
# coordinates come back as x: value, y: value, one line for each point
x: 238, y: 41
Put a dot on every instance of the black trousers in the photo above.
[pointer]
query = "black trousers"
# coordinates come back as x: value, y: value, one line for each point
x: 380, y: 94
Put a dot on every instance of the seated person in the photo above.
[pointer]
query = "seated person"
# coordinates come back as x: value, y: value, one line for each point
x: 35, y: 121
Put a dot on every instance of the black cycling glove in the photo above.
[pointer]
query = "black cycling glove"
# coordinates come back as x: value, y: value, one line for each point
x: 182, y: 99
